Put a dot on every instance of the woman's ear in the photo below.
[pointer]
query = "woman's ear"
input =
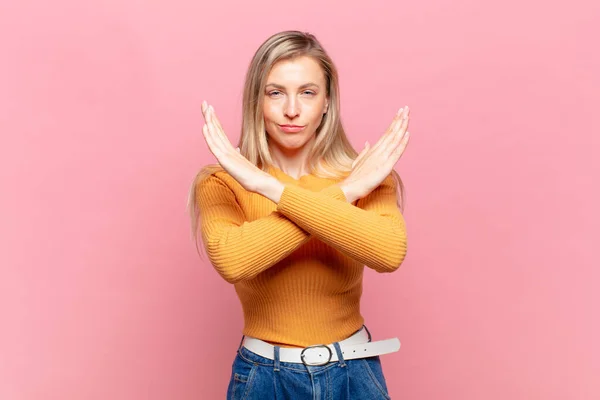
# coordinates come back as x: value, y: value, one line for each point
x: 326, y: 107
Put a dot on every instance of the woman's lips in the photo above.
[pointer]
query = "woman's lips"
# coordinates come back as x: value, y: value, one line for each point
x: 291, y: 128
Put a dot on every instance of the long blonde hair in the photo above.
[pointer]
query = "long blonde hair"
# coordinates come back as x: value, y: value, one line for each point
x: 332, y: 154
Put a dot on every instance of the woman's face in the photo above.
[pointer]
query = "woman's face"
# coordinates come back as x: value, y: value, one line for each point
x: 295, y: 100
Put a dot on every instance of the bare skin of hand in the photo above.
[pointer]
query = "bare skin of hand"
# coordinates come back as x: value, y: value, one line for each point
x: 247, y: 174
x: 374, y: 164
x: 369, y: 169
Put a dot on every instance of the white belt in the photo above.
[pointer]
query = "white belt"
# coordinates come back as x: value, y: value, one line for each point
x: 356, y: 346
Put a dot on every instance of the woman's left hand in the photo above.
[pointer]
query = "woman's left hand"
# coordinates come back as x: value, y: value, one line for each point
x: 374, y: 164
x: 247, y: 174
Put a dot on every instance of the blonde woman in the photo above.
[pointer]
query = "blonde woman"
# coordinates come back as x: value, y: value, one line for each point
x: 290, y: 216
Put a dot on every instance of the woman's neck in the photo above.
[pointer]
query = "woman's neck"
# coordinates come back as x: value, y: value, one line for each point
x: 292, y: 162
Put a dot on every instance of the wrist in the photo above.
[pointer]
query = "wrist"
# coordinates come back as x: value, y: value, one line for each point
x: 272, y: 189
x: 349, y: 192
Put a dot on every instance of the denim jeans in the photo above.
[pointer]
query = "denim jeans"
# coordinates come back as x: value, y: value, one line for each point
x: 254, y: 377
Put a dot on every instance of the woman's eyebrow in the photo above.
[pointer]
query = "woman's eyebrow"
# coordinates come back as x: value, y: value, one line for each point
x: 306, y: 85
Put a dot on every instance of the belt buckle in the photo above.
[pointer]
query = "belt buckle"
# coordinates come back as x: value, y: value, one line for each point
x: 302, y: 355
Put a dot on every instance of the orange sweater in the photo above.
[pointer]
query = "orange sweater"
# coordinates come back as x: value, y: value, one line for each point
x: 297, y: 266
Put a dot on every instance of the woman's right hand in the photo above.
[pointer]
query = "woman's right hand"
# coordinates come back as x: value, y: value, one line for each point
x: 374, y: 164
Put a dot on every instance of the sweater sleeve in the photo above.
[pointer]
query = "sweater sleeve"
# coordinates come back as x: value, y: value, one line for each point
x: 372, y: 232
x: 239, y: 250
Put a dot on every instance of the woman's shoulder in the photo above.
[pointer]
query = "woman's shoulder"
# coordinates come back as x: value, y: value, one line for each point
x: 391, y: 180
x: 214, y: 175
x: 211, y: 173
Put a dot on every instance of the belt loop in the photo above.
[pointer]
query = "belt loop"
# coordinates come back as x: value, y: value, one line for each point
x: 338, y: 350
x: 276, y: 361
x: 367, y: 332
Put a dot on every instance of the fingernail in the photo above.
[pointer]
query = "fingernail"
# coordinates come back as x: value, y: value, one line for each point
x: 400, y: 110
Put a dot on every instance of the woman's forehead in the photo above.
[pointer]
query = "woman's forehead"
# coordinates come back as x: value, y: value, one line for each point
x: 296, y: 72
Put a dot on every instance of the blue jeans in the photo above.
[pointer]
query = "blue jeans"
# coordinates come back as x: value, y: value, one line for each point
x: 254, y: 377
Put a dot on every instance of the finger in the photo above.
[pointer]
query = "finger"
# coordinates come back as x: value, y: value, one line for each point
x: 384, y: 140
x: 219, y: 129
x: 393, y: 124
x: 366, y: 151
x: 401, y: 123
x: 391, y: 128
x: 398, y: 151
x: 213, y: 117
x: 398, y: 130
x: 204, y: 107
x: 216, y: 139
x: 218, y: 136
x: 403, y: 127
x: 208, y: 139
x: 361, y: 155
x: 395, y: 155
x: 397, y: 116
x: 357, y: 159
x: 405, y: 118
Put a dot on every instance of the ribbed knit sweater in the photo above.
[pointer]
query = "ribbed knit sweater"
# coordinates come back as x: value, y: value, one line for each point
x: 297, y: 266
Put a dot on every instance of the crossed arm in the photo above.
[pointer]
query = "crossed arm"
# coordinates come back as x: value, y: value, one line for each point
x: 372, y: 232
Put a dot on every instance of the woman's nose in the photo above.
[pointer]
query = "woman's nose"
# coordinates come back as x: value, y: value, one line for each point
x: 292, y: 109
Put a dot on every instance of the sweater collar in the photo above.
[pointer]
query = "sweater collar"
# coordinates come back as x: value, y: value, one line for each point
x: 273, y: 170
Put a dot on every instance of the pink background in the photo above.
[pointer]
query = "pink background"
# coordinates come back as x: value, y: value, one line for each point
x: 102, y: 295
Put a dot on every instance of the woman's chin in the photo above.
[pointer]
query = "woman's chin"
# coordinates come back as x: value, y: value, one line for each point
x: 292, y: 143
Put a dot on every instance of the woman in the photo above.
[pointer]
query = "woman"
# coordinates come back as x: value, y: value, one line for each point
x: 291, y: 217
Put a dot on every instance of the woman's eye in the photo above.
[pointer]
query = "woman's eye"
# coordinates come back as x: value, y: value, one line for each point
x: 277, y: 93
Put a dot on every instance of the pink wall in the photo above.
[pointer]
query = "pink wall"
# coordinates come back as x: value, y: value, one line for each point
x: 102, y: 295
